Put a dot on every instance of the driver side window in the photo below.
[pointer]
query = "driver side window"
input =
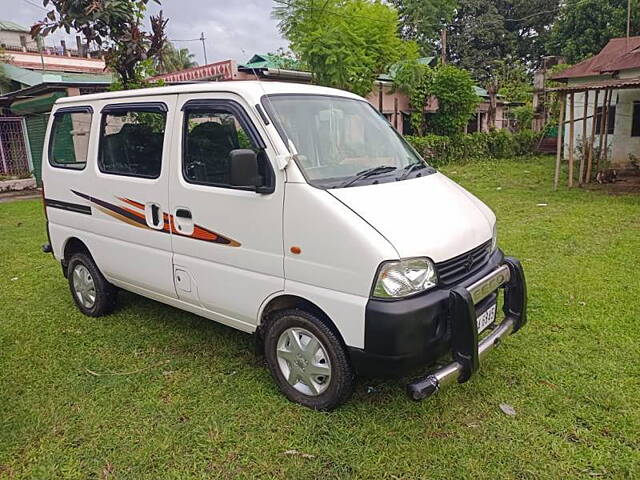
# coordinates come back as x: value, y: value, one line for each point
x: 209, y: 137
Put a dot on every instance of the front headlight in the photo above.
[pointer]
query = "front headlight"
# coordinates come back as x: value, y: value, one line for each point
x: 400, y: 278
x: 494, y: 237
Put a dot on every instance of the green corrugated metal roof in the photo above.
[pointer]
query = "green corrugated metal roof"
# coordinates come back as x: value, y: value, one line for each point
x: 393, y: 69
x: 30, y: 77
x: 270, y: 61
x: 12, y: 26
x: 481, y: 92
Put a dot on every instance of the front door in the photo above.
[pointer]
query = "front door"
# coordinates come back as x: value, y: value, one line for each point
x: 129, y: 194
x: 227, y: 241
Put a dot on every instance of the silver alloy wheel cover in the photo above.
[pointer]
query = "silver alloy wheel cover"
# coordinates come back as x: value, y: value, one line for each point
x: 303, y: 361
x: 84, y: 286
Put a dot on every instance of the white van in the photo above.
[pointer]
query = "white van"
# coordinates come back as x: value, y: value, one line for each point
x: 290, y: 211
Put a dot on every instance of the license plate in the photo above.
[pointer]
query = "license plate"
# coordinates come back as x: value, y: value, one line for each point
x: 486, y: 318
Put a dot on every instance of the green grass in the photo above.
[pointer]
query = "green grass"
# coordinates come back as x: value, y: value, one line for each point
x: 202, y: 404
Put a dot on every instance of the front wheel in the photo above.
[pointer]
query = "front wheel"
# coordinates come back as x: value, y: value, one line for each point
x: 307, y: 360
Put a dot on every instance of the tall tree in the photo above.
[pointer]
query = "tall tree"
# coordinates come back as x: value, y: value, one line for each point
x: 174, y: 59
x: 345, y: 43
x: 585, y: 26
x: 451, y: 86
x: 486, y: 31
x: 422, y: 20
x: 114, y: 26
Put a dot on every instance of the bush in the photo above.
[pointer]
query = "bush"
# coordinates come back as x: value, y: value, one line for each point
x: 439, y: 150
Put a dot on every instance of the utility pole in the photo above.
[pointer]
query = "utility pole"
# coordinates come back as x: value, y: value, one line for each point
x: 628, y: 20
x: 443, y: 45
x: 204, y: 47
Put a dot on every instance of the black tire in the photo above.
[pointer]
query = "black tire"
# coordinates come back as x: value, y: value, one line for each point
x: 105, y: 293
x: 342, y: 378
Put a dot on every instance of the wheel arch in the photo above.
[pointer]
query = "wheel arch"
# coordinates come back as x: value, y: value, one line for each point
x: 72, y: 245
x: 287, y: 301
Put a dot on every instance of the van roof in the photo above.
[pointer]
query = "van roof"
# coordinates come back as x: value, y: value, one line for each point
x: 250, y: 89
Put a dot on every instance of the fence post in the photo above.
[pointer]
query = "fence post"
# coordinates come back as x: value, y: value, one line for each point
x: 5, y: 169
x: 27, y: 145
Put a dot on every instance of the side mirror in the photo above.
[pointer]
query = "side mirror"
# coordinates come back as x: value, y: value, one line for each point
x: 244, y: 169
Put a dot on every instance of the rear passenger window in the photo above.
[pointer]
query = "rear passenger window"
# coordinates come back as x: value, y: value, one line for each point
x: 209, y: 137
x: 69, y: 142
x: 131, y: 140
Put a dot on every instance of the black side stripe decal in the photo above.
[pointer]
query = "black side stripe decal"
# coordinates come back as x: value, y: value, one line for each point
x: 72, y: 207
x: 113, y: 208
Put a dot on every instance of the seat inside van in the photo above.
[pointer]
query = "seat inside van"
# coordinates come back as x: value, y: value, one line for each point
x: 209, y: 145
x: 136, y: 149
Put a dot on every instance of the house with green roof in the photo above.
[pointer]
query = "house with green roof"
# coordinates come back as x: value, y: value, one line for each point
x: 36, y: 81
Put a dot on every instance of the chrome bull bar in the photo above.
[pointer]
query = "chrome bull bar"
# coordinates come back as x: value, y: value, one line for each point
x: 465, y: 348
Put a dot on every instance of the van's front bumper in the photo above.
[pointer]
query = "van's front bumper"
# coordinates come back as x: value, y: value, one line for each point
x: 402, y: 335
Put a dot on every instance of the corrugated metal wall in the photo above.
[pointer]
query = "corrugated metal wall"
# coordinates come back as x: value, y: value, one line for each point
x: 36, y: 129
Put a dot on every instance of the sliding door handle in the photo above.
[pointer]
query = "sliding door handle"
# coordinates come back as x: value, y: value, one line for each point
x: 153, y: 216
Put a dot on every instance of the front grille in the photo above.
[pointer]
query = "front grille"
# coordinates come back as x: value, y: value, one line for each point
x: 458, y: 268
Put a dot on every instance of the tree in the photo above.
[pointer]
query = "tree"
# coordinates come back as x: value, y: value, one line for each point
x: 114, y: 26
x: 451, y: 86
x: 585, y: 26
x: 422, y: 20
x: 513, y: 82
x: 173, y: 59
x: 484, y: 31
x: 345, y: 43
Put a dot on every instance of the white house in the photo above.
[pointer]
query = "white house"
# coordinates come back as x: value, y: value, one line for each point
x: 609, y: 84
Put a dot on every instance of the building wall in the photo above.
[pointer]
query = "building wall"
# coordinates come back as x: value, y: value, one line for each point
x: 15, y: 39
x: 392, y: 104
x: 621, y: 144
x: 60, y: 63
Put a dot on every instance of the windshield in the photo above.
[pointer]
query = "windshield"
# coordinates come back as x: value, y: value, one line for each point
x: 342, y: 141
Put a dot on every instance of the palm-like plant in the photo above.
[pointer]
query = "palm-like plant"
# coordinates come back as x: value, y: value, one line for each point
x: 175, y: 59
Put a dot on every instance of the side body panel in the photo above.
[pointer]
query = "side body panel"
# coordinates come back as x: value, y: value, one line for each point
x: 239, y: 264
x: 126, y: 248
x: 340, y: 254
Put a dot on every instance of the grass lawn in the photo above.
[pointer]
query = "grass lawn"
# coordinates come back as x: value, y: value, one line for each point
x: 196, y: 402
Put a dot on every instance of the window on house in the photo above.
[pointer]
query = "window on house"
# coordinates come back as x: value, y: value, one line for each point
x: 474, y: 124
x: 209, y: 136
x: 611, y: 121
x: 407, y: 127
x: 635, y: 121
x: 69, y: 142
x: 131, y: 140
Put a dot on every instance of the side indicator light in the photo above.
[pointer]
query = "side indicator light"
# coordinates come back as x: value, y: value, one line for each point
x: 296, y: 250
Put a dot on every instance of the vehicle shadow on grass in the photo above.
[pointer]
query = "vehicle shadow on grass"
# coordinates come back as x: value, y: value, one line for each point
x: 188, y: 335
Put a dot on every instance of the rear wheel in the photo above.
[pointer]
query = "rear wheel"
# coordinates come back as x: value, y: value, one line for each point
x: 308, y: 360
x: 91, y: 292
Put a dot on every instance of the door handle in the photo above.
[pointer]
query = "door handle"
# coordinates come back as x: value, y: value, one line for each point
x: 183, y: 221
x: 153, y: 215
x: 183, y: 213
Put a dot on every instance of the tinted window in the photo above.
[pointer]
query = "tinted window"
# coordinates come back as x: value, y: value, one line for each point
x: 70, y: 140
x: 209, y: 138
x: 131, y: 143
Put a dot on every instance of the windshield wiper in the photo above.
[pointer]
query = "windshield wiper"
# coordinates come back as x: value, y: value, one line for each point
x: 409, y: 169
x: 366, y: 173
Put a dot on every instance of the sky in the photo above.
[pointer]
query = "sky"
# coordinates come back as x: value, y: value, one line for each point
x: 234, y: 29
